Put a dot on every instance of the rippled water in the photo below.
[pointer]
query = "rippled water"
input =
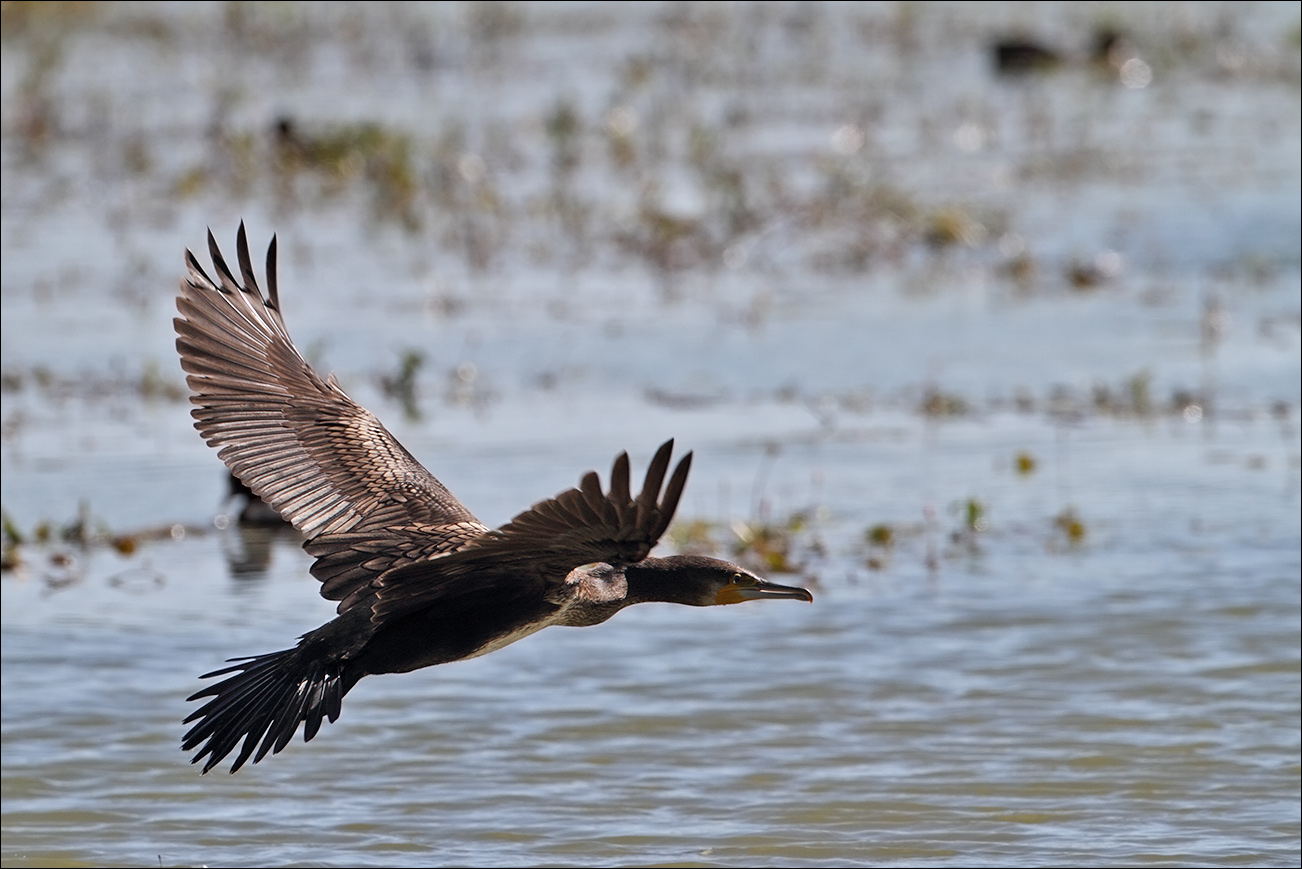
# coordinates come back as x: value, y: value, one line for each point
x: 985, y: 684
x: 1127, y: 703
x: 1128, y: 709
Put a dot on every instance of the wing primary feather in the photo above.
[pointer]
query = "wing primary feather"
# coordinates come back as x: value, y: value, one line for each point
x: 223, y: 271
x: 655, y: 475
x: 271, y: 276
x: 619, y: 491
x: 673, y: 492
x: 655, y: 472
x: 192, y: 263
x: 595, y: 498
x: 246, y: 265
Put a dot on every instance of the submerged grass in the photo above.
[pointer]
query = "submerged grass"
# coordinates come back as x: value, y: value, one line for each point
x: 50, y: 548
x: 740, y: 177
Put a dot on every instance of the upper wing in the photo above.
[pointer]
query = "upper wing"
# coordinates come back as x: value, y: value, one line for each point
x: 579, y: 526
x: 299, y: 442
x: 347, y: 563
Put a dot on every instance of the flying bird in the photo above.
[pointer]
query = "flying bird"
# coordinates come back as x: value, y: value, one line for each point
x: 419, y: 580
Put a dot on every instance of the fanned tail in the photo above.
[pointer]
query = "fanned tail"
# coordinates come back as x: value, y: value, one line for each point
x: 263, y: 703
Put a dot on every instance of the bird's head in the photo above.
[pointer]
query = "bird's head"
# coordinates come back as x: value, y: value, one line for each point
x: 696, y: 580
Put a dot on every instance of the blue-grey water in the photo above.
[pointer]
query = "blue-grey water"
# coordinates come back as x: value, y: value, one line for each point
x: 1005, y: 367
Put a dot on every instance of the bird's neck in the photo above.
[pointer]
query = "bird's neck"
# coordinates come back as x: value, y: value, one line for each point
x: 657, y: 580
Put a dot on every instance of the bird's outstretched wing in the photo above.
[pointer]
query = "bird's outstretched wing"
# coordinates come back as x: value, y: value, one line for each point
x: 299, y: 442
x: 585, y: 524
x: 579, y: 526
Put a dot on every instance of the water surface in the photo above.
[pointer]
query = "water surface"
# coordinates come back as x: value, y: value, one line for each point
x: 1006, y: 369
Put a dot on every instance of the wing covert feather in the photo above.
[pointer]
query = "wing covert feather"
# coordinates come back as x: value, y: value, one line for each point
x: 550, y: 539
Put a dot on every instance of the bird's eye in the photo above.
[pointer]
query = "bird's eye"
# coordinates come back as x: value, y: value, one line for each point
x: 743, y: 580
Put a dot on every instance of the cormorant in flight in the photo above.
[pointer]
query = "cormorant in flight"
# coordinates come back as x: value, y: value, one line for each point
x: 419, y: 580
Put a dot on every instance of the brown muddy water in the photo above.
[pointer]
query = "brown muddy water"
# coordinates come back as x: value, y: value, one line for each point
x: 1004, y: 364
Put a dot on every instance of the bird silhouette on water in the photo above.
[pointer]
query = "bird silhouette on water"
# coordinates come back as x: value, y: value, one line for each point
x: 419, y: 580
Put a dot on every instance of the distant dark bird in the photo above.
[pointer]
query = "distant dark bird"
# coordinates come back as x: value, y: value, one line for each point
x: 254, y: 511
x: 1019, y: 56
x: 419, y: 579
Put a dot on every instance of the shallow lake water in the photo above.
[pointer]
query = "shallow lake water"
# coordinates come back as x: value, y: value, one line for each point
x: 1005, y: 366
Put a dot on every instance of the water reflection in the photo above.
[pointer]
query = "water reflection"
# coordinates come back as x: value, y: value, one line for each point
x: 248, y: 548
x: 248, y: 541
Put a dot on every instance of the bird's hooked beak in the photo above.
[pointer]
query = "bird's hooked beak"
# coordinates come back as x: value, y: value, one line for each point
x: 744, y: 587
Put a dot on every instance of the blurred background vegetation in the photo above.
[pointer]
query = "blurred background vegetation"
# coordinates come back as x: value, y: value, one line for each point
x: 784, y: 221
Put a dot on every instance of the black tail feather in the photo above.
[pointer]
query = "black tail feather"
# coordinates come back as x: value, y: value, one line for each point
x: 264, y: 702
